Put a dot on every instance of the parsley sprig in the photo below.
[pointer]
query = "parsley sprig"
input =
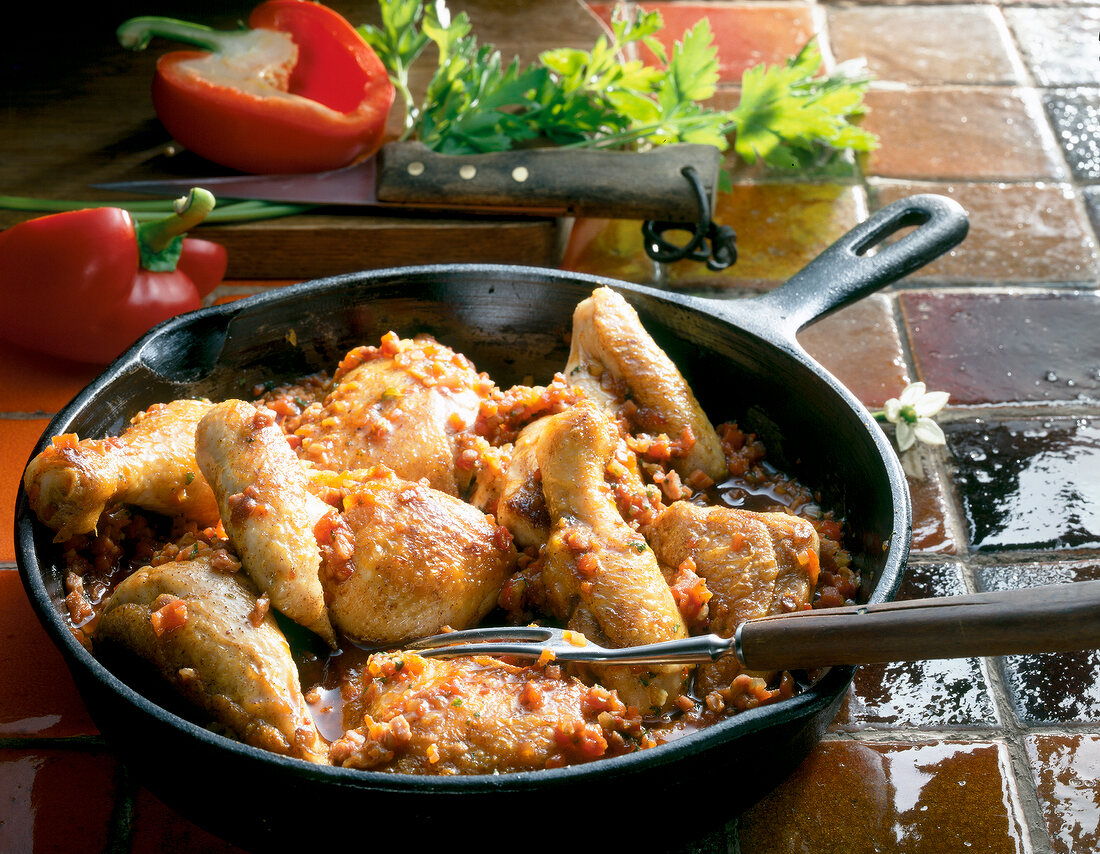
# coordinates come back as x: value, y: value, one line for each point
x: 476, y: 103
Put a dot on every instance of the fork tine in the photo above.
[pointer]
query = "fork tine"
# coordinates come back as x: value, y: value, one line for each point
x: 520, y: 650
x: 498, y: 634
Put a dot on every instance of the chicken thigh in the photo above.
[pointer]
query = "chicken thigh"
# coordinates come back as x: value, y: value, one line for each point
x: 478, y: 715
x: 754, y: 564
x: 614, y: 359
x: 598, y: 573
x: 151, y: 465
x: 400, y: 405
x: 267, y: 510
x: 208, y: 635
x: 404, y: 560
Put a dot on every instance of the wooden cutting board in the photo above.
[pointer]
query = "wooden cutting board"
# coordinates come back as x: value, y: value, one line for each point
x: 77, y: 111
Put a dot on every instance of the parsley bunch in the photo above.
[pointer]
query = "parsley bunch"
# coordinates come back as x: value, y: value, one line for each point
x: 476, y: 103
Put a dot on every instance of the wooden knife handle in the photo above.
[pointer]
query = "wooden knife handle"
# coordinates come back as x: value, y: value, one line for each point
x: 582, y: 182
x: 1052, y: 618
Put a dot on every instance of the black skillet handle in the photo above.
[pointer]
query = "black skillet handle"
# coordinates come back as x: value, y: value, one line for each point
x: 848, y: 270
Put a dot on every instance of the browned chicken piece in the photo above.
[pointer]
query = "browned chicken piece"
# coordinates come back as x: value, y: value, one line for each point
x: 404, y: 560
x: 522, y: 508
x: 400, y: 405
x: 209, y: 635
x: 754, y: 564
x: 151, y: 465
x: 267, y: 510
x: 598, y: 572
x: 478, y: 716
x: 614, y: 359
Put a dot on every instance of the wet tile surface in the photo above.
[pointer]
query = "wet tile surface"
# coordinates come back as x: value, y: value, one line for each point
x: 935, y: 528
x: 1066, y: 770
x: 1049, y: 688
x: 56, y: 800
x: 1058, y: 45
x: 932, y: 694
x: 1027, y: 233
x: 1028, y: 484
x: 1075, y: 115
x: 924, y: 44
x: 908, y: 798
x: 39, y: 697
x: 780, y: 229
x: 861, y: 347
x: 998, y: 348
x: 961, y: 132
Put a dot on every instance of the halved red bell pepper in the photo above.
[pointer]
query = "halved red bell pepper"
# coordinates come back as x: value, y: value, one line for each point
x: 300, y: 91
x: 87, y: 284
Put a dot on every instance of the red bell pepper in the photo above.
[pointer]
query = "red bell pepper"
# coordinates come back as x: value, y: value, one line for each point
x: 298, y: 92
x: 86, y: 284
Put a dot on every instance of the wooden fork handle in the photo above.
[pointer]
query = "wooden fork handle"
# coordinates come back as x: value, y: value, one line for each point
x: 1052, y: 618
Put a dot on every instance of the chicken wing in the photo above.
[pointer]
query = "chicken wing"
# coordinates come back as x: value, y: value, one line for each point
x: 754, y: 564
x: 207, y: 634
x: 266, y: 507
x: 151, y: 465
x: 404, y: 560
x: 399, y: 405
x: 614, y: 359
x: 598, y: 572
x: 478, y: 716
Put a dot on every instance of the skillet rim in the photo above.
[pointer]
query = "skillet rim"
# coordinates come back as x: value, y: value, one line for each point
x: 802, y: 707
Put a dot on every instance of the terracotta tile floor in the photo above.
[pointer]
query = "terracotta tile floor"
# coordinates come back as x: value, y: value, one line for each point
x: 996, y: 104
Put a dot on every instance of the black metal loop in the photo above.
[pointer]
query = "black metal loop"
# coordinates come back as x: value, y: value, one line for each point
x: 714, y: 244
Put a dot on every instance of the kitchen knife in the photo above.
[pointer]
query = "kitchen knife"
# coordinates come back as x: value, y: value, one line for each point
x: 544, y: 181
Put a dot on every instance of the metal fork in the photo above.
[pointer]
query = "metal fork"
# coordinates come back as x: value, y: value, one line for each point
x: 1051, y: 618
x: 566, y: 645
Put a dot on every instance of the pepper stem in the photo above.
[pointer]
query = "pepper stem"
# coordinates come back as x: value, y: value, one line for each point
x: 136, y: 33
x: 161, y: 241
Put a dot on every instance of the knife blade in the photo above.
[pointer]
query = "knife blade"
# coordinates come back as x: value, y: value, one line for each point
x: 543, y: 181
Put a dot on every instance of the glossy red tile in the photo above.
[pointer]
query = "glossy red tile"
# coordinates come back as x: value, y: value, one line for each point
x: 1066, y: 768
x: 852, y: 796
x: 986, y: 347
x: 18, y: 438
x: 57, y: 800
x: 745, y: 34
x: 925, y: 44
x: 960, y: 132
x: 935, y: 523
x: 1028, y: 233
x: 39, y: 697
x: 861, y: 347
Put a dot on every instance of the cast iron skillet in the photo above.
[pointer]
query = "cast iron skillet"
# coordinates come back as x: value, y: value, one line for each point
x: 743, y: 362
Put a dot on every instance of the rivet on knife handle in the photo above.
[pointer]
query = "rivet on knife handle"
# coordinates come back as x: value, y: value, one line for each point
x: 584, y: 182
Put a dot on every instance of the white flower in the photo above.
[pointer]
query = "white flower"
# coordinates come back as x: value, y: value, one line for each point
x: 912, y: 413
